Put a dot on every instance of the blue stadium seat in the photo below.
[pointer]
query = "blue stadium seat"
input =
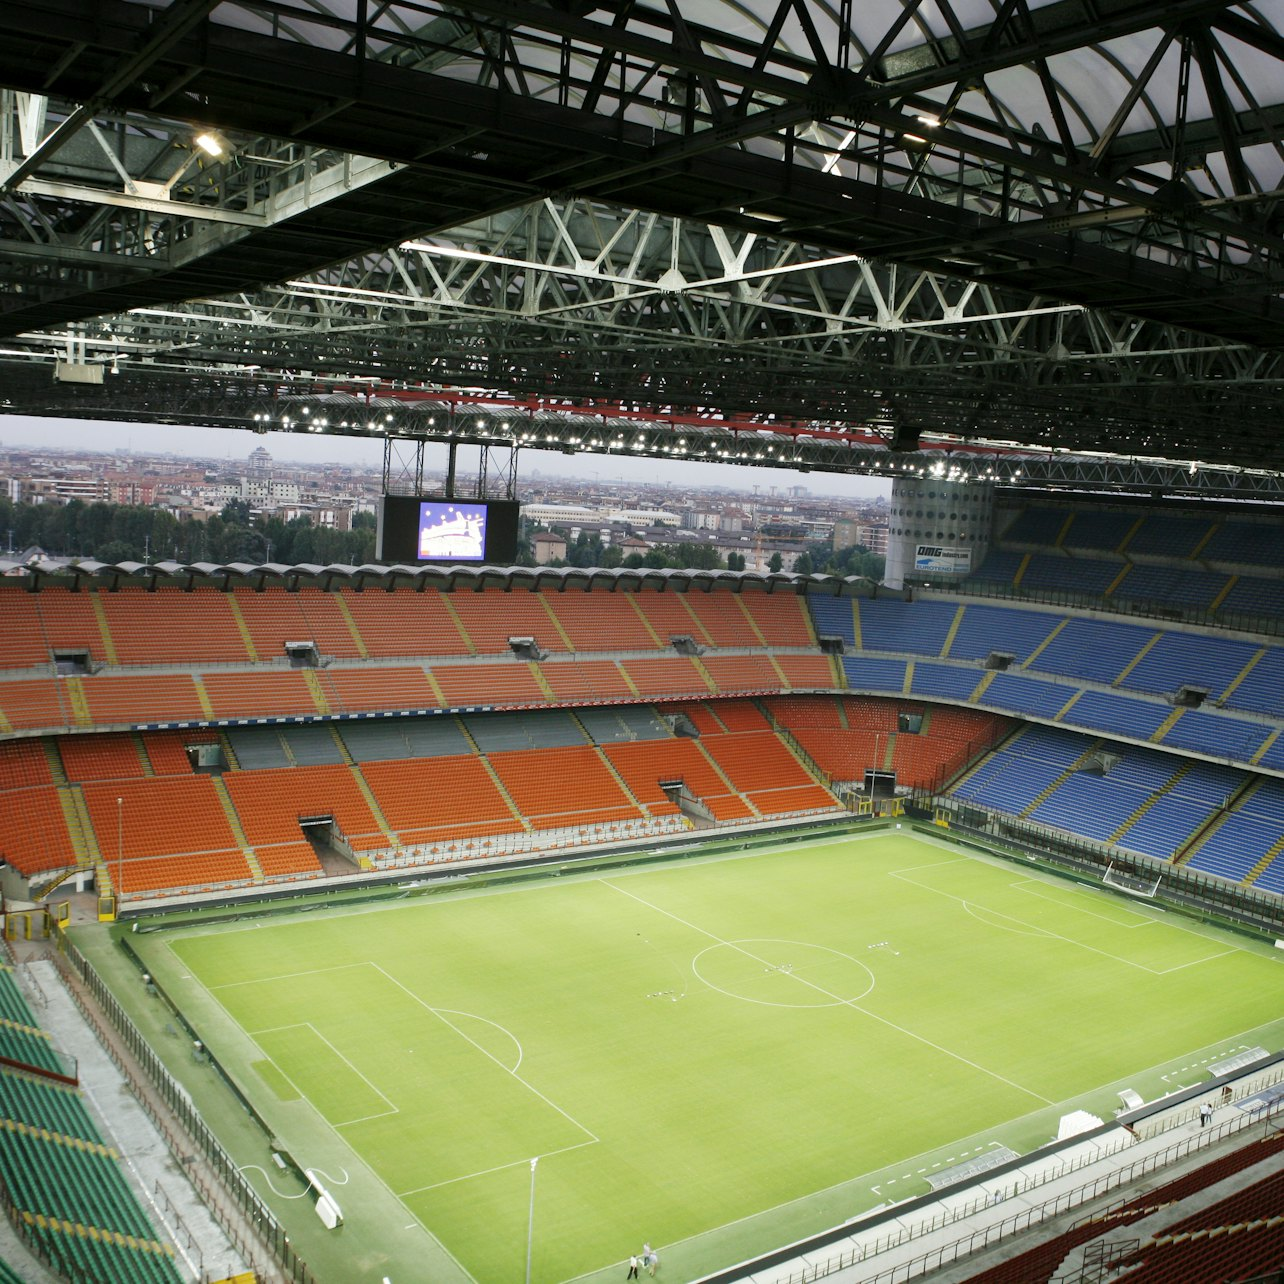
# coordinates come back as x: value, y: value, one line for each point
x: 1216, y: 734
x: 1165, y: 827
x: 1262, y: 689
x: 1162, y: 535
x: 915, y: 628
x: 1245, y: 543
x: 1173, y: 585
x: 1253, y: 595
x: 832, y: 617
x: 1001, y: 628
x: 956, y: 682
x: 1197, y: 659
x: 1090, y: 575
x: 1117, y: 715
x: 1090, y: 804
x: 1016, y: 692
x: 1098, y: 650
x: 867, y: 674
x: 1100, y: 530
x: 1035, y: 525
x: 999, y: 567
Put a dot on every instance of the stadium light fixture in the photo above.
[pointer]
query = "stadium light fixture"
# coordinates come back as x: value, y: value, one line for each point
x: 210, y: 143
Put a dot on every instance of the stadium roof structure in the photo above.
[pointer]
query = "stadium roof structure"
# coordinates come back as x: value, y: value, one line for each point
x: 776, y: 231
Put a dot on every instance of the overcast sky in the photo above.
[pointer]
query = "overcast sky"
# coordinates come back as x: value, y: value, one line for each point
x: 234, y: 445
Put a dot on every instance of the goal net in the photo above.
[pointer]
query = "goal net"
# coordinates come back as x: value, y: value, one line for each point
x: 1133, y: 884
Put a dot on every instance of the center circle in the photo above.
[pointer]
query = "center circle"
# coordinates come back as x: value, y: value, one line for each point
x: 783, y: 974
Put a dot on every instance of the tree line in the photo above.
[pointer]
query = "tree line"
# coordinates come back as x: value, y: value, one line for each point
x: 128, y: 533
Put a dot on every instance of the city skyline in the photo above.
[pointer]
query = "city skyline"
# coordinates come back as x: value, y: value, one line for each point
x: 235, y: 445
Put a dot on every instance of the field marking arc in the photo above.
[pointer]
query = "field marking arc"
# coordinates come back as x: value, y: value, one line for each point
x: 374, y: 1175
x: 517, y: 1043
x: 779, y: 940
x: 874, y: 1016
x: 1021, y: 929
x: 1028, y: 885
x: 1056, y: 936
x: 438, y: 1013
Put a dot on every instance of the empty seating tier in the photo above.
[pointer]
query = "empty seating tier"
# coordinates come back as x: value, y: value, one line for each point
x: 406, y: 624
x: 490, y: 619
x: 100, y: 757
x: 271, y: 805
x: 158, y: 697
x: 167, y: 753
x: 427, y: 800
x: 742, y: 672
x: 571, y: 785
x: 670, y: 617
x: 36, y: 702
x: 378, y: 687
x: 23, y: 762
x: 484, y: 684
x: 33, y: 830
x: 24, y: 635
x: 724, y: 618
x: 807, y: 670
x: 676, y: 676
x: 170, y: 626
x: 644, y: 766
x: 572, y: 680
x: 274, y: 617
x: 601, y: 621
x: 780, y: 618
x: 257, y: 695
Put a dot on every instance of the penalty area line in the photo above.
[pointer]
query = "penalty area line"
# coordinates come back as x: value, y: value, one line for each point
x: 498, y: 1168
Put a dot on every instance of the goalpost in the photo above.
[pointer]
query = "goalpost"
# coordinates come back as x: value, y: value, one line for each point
x: 1131, y: 883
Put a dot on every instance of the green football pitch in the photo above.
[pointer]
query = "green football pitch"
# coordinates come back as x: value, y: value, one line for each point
x: 717, y: 1055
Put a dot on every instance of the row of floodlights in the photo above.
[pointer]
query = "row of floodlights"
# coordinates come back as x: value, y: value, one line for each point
x: 766, y: 453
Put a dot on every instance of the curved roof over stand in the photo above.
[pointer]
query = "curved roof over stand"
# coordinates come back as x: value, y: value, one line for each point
x: 448, y: 578
x: 1050, y: 223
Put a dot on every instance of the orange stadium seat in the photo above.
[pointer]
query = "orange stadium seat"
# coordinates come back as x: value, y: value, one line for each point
x: 674, y: 676
x: 23, y: 633
x: 430, y: 799
x: 585, y: 679
x: 781, y: 618
x: 601, y: 621
x: 842, y: 754
x: 669, y: 617
x: 742, y: 672
x: 473, y: 684
x: 171, y: 626
x: 568, y: 785
x: 33, y: 830
x: 288, y: 860
x: 869, y: 713
x: 36, y: 702
x: 22, y: 763
x: 805, y: 711
x: 167, y: 752
x: 644, y: 763
x: 162, y: 697
x: 406, y: 623
x: 276, y: 616
x: 723, y: 618
x: 269, y: 804
x: 167, y: 831
x: 740, y: 715
x: 100, y: 757
x: 490, y: 619
x: 369, y: 687
x: 701, y: 715
x: 754, y: 760
x: 70, y: 622
x: 807, y: 670
x: 257, y: 695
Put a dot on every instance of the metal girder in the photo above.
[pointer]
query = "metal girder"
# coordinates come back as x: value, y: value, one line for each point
x: 789, y: 166
x: 406, y: 420
x: 576, y: 299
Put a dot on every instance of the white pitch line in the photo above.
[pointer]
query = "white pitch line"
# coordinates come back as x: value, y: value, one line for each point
x: 838, y: 999
x: 392, y: 1109
x: 588, y: 1132
x: 1054, y: 936
x: 285, y: 976
x: 499, y: 1168
x: 1028, y: 884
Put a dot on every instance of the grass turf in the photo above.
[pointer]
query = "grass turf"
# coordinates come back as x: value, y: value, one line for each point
x: 717, y: 1056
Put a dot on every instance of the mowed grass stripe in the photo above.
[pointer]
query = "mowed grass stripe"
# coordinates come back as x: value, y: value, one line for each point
x: 717, y: 1030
